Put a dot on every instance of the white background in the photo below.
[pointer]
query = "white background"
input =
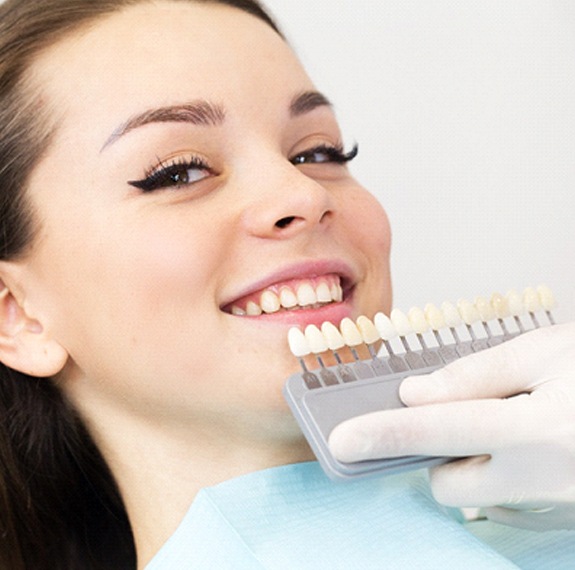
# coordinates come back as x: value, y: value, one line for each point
x: 465, y: 115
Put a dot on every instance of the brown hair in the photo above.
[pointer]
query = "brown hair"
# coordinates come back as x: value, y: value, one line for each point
x: 59, y: 506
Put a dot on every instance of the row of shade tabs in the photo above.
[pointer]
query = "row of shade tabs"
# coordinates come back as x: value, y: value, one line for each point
x: 518, y: 310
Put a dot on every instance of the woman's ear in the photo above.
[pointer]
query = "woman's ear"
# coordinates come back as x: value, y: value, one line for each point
x: 24, y: 345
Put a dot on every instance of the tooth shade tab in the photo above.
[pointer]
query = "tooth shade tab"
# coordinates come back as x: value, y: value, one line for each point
x: 531, y: 300
x: 384, y: 326
x: 332, y: 336
x: 400, y: 322
x: 350, y: 332
x: 367, y: 330
x: 468, y: 311
x: 484, y: 309
x: 298, y: 344
x: 546, y: 297
x: 450, y: 314
x: 315, y: 339
x: 434, y: 317
x: 417, y: 320
x: 515, y: 303
x: 500, y: 306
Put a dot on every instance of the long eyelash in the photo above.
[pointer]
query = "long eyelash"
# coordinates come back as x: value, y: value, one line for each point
x: 336, y: 153
x: 163, y: 174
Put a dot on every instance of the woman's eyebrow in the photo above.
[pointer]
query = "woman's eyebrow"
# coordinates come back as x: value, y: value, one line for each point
x: 199, y: 112
x: 308, y: 101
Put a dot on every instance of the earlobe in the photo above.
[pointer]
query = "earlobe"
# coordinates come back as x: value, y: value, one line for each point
x: 24, y: 346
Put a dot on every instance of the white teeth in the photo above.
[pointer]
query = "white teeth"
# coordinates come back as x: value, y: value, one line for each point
x: 485, y: 310
x: 269, y: 302
x: 450, y: 314
x: 531, y: 300
x: 306, y: 295
x: 434, y: 316
x: 253, y: 310
x: 367, y: 329
x: 288, y: 300
x: 546, y: 297
x: 400, y: 322
x: 417, y: 320
x: 315, y: 339
x: 336, y: 293
x: 500, y: 306
x: 515, y: 302
x: 468, y: 311
x: 350, y: 332
x: 384, y: 326
x: 323, y: 293
x: 298, y: 343
x: 332, y: 336
x: 237, y: 311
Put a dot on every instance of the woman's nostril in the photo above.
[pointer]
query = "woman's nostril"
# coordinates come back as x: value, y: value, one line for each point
x: 284, y: 222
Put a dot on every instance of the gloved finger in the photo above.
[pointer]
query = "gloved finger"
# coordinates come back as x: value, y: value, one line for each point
x: 455, y: 429
x: 541, y: 518
x: 515, y: 366
x: 521, y: 478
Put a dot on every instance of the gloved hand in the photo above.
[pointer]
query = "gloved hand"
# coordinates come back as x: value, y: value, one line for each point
x: 518, y: 451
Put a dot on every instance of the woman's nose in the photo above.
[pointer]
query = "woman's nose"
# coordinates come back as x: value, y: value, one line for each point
x: 288, y: 205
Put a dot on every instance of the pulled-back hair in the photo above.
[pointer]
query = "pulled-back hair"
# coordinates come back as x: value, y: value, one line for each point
x: 60, y: 508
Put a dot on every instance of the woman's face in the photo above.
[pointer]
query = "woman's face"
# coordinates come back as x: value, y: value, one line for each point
x: 193, y: 171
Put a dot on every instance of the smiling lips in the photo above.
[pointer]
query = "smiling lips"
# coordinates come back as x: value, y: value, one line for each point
x: 290, y: 295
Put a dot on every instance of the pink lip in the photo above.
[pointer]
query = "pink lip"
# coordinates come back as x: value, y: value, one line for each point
x: 334, y: 312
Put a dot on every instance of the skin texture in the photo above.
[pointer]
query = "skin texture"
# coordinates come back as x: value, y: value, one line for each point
x: 120, y: 298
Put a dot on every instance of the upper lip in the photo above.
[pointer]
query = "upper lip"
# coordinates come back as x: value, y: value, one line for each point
x: 302, y: 270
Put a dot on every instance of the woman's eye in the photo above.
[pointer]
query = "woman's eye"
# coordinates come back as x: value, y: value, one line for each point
x: 324, y: 153
x: 181, y: 173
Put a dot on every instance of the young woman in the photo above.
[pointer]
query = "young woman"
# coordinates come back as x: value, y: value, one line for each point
x: 174, y: 196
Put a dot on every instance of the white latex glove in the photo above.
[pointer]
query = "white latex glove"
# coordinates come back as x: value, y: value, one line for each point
x: 518, y: 453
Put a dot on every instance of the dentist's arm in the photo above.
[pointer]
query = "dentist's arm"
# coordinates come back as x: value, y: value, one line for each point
x: 517, y: 451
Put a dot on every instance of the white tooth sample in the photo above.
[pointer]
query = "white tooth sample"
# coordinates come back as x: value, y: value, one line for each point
x: 468, y: 311
x: 450, y: 314
x: 306, y: 295
x: 238, y: 311
x: 336, y: 292
x: 288, y: 300
x: 515, y: 303
x: 315, y: 339
x: 323, y: 293
x: 253, y: 310
x: 350, y: 332
x: 417, y: 320
x: 400, y: 322
x: 367, y: 329
x: 298, y: 343
x: 546, y: 297
x: 531, y: 300
x: 269, y: 302
x: 485, y: 310
x: 500, y: 306
x: 434, y: 317
x: 332, y: 336
x: 384, y: 326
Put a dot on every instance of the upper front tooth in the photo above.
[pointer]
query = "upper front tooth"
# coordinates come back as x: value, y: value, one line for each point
x: 287, y: 298
x: 336, y: 292
x: 253, y: 310
x: 269, y: 302
x: 323, y: 293
x: 306, y: 295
